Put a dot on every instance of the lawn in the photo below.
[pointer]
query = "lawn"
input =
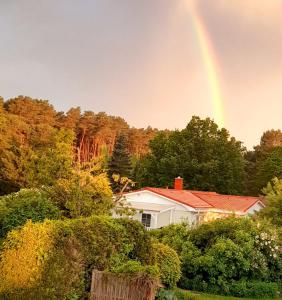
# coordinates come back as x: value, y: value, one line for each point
x: 201, y: 296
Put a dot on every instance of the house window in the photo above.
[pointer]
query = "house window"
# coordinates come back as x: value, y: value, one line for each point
x: 146, y: 220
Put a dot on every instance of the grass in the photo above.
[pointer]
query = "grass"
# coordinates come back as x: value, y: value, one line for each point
x: 200, y: 296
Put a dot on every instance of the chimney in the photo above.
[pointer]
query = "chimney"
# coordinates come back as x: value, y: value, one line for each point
x: 178, y: 183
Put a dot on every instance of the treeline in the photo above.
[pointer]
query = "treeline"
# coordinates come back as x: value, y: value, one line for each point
x: 209, y: 159
x: 39, y: 145
x: 31, y: 129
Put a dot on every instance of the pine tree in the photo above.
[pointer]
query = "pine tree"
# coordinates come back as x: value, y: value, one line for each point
x: 120, y: 163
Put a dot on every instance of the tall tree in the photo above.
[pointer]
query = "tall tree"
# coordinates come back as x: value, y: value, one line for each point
x: 120, y: 162
x: 273, y: 195
x: 269, y: 168
x: 204, y: 155
x: 259, y: 161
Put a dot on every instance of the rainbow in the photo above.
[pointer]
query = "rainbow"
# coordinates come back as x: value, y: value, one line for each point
x: 210, y: 62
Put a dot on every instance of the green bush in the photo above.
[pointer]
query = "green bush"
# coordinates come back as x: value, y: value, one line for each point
x: 169, y: 264
x: 54, y: 259
x: 27, y: 204
x: 254, y: 289
x: 172, y: 235
x: 215, y: 254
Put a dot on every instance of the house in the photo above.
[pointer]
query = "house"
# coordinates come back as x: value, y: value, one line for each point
x: 158, y: 207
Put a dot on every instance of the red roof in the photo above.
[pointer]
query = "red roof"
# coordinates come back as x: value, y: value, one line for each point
x: 199, y: 199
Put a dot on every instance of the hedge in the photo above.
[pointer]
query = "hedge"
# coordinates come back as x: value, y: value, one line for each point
x: 54, y: 259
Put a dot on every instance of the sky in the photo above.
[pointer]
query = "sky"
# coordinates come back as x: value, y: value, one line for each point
x: 142, y: 59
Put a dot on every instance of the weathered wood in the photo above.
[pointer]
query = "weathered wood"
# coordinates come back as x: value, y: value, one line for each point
x: 105, y: 286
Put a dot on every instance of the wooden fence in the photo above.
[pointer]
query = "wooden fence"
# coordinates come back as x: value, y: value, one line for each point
x: 105, y: 286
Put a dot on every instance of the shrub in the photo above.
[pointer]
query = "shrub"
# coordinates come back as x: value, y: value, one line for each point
x: 27, y: 204
x: 54, y: 259
x: 215, y: 254
x: 168, y: 263
x: 135, y: 267
x: 254, y: 289
x: 172, y: 235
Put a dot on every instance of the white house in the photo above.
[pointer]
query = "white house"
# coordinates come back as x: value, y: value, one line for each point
x: 158, y: 207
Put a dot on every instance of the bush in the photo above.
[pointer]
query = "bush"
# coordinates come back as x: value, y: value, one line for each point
x: 169, y: 264
x: 54, y: 259
x: 172, y: 235
x: 135, y: 267
x: 215, y: 254
x: 254, y: 289
x: 27, y: 204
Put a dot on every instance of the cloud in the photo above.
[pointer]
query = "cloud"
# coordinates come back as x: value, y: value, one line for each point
x: 266, y: 13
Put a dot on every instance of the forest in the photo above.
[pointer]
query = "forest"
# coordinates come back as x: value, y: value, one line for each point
x: 33, y: 134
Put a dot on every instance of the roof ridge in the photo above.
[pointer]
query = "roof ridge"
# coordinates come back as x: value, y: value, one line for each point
x: 175, y: 199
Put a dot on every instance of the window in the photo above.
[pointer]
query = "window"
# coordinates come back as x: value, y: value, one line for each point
x: 146, y: 220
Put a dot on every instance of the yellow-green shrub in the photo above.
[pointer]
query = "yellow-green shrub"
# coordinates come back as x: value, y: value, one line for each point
x: 24, y: 255
x: 54, y: 259
x: 169, y: 264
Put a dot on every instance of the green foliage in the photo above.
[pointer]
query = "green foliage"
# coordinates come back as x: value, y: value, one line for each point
x: 252, y: 290
x: 204, y: 155
x: 169, y: 264
x: 120, y: 163
x: 172, y: 235
x: 87, y: 192
x: 264, y: 162
x: 271, y: 167
x: 46, y: 166
x: 140, y: 239
x: 17, y: 208
x: 273, y: 196
x: 54, y: 260
x: 221, y: 252
x: 133, y: 267
x: 35, y: 140
x: 255, y: 289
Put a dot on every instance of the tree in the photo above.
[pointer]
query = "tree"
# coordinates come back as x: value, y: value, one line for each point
x: 120, y: 163
x: 52, y: 163
x: 256, y: 164
x: 14, y: 148
x: 86, y: 193
x: 270, y: 167
x: 273, y: 196
x: 204, y: 155
x: 33, y: 111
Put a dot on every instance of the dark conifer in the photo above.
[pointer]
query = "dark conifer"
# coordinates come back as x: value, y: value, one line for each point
x: 120, y: 163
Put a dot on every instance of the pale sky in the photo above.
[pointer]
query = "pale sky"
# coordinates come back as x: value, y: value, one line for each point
x: 140, y: 59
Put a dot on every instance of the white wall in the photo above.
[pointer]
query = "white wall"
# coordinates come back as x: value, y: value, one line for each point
x: 184, y: 216
x: 164, y: 218
x: 254, y: 208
